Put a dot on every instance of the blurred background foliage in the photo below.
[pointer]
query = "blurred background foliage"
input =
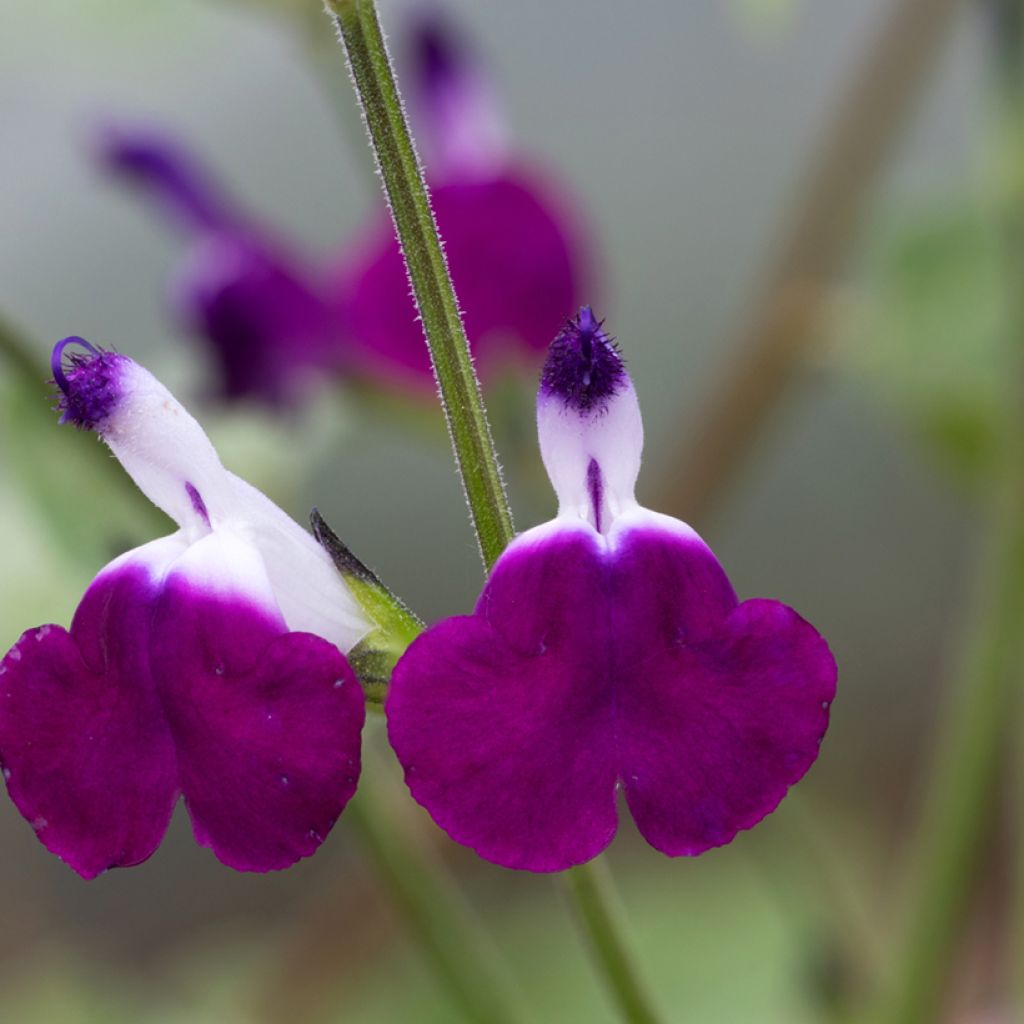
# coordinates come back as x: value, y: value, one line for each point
x: 686, y: 134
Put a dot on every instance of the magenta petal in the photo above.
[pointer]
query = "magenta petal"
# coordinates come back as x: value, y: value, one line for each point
x: 592, y: 659
x: 86, y: 752
x: 262, y: 314
x: 267, y: 726
x: 722, y: 707
x: 503, y: 720
x: 516, y: 261
x: 714, y: 734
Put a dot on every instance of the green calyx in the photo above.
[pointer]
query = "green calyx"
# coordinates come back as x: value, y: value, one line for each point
x: 373, y: 659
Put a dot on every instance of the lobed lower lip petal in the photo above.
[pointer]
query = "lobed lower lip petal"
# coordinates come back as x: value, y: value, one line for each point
x: 596, y: 660
x: 266, y: 723
x: 87, y: 755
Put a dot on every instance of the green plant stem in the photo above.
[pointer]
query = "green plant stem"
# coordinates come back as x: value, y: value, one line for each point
x: 600, y: 914
x: 788, y: 315
x: 965, y: 792
x: 435, y: 911
x: 962, y: 788
x: 406, y: 190
x: 372, y: 75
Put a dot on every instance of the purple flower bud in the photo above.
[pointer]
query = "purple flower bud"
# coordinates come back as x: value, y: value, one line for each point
x: 458, y: 124
x: 271, y: 324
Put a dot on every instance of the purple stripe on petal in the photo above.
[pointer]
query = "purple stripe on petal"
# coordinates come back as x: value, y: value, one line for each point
x: 503, y: 719
x: 198, y: 505
x: 86, y: 752
x: 266, y: 723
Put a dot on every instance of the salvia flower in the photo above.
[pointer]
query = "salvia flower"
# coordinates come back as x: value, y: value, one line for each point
x: 268, y: 314
x: 274, y: 319
x: 514, y: 243
x: 607, y: 651
x: 206, y: 663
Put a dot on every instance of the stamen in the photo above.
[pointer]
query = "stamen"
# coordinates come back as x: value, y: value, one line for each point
x: 584, y: 367
x: 90, y: 389
x: 57, y: 359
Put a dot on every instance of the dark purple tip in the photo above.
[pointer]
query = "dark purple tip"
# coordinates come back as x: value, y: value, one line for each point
x: 167, y: 169
x: 584, y: 367
x: 438, y: 52
x: 90, y: 388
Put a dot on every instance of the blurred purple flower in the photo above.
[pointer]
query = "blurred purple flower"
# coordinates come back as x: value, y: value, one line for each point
x: 269, y: 319
x: 607, y: 649
x: 205, y: 664
x: 516, y: 249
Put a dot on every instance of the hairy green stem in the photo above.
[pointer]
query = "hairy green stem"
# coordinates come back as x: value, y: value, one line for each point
x: 406, y: 190
x: 370, y: 67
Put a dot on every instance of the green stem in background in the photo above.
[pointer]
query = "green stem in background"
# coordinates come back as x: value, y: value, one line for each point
x: 435, y: 911
x: 600, y: 913
x: 964, y: 793
x: 406, y: 191
x: 962, y: 787
x: 787, y: 317
x: 372, y: 75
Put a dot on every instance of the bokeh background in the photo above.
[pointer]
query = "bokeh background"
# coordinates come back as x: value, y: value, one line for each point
x: 688, y: 132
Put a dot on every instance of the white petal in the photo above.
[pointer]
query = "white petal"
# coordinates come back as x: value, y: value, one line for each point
x: 309, y: 590
x: 155, y: 556
x: 166, y: 452
x: 611, y: 436
x: 175, y: 466
x: 225, y: 564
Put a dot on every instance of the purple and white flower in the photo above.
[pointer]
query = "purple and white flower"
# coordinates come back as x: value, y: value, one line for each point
x: 268, y: 314
x: 607, y: 650
x: 516, y: 245
x: 274, y: 319
x: 207, y: 663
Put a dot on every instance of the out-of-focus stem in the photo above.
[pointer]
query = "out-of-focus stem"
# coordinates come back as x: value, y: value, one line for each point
x: 788, y: 314
x: 435, y: 911
x: 963, y: 786
x: 597, y: 906
x: 407, y: 195
x: 406, y: 189
x: 972, y: 753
